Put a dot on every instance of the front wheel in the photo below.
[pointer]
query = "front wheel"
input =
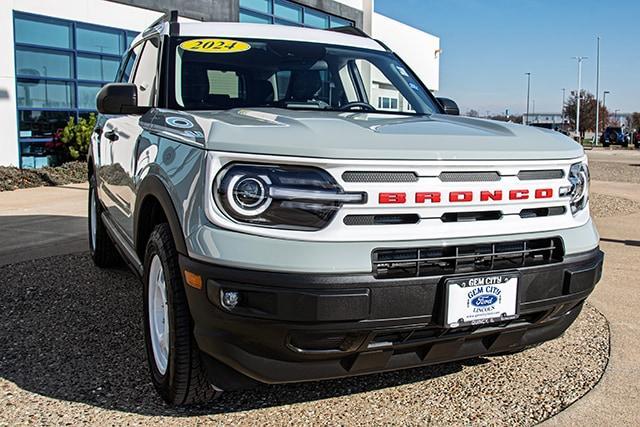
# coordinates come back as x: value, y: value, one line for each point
x: 173, y: 356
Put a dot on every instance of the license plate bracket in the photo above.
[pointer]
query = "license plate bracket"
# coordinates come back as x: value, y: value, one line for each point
x: 481, y: 299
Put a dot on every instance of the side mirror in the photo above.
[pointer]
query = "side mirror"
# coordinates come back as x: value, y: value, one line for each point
x: 449, y: 106
x: 118, y: 98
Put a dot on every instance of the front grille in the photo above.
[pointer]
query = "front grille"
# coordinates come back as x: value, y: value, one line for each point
x: 379, y: 177
x: 381, y: 219
x: 469, y: 176
x: 437, y: 261
x: 532, y: 175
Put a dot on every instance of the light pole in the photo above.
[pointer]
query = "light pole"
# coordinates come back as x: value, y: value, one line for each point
x: 595, y: 136
x: 615, y: 117
x: 564, y: 90
x: 526, y: 122
x: 579, y: 59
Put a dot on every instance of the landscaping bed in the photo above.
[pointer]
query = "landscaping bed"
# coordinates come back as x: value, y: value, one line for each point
x: 12, y: 178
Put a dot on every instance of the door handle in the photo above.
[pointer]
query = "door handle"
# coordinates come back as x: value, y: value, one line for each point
x: 111, y: 135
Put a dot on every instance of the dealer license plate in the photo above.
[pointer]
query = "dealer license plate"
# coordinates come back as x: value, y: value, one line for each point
x: 481, y: 299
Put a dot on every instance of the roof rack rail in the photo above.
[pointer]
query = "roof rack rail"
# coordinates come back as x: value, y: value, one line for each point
x: 169, y: 16
x: 351, y: 30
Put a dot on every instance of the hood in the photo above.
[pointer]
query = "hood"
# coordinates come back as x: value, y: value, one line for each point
x: 355, y: 135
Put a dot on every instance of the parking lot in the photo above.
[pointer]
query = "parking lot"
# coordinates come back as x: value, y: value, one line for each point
x: 73, y: 352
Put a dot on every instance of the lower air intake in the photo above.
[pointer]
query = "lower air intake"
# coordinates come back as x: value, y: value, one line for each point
x: 437, y: 261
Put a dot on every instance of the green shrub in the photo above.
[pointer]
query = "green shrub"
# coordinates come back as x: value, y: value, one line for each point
x: 76, y: 137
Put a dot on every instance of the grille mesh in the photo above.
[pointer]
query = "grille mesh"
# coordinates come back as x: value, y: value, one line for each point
x: 395, y: 263
x: 469, y: 176
x: 379, y: 177
x: 381, y: 219
x: 531, y: 175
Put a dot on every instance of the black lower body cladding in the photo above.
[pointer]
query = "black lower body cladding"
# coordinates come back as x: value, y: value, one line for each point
x: 292, y: 327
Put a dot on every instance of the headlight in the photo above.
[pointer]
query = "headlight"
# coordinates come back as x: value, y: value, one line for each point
x: 287, y: 197
x: 579, y: 188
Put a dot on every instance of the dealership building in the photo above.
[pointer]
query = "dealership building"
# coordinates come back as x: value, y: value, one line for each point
x: 57, y: 54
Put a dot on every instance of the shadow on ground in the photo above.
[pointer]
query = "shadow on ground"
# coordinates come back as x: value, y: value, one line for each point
x: 27, y: 237
x: 73, y: 332
x: 624, y: 242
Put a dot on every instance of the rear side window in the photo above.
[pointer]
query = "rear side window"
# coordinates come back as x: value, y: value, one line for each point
x: 147, y: 72
x: 129, y: 61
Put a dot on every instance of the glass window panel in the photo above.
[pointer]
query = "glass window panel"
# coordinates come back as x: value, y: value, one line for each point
x: 54, y: 34
x: 42, y: 124
x: 100, y: 41
x: 131, y: 60
x: 283, y: 22
x: 99, y: 69
x: 44, y: 94
x: 87, y: 96
x: 394, y: 104
x: 130, y: 38
x: 339, y: 22
x: 289, y: 11
x: 313, y: 18
x: 260, y: 5
x: 37, y: 63
x: 254, y: 18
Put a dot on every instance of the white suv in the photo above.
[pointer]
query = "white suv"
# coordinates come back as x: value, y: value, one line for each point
x: 285, y: 229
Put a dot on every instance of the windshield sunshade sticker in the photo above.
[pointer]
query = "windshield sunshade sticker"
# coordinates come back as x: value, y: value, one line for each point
x: 215, y: 46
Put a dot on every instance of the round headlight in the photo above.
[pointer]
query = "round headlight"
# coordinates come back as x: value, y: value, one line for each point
x: 249, y: 192
x: 248, y: 195
x: 579, y: 179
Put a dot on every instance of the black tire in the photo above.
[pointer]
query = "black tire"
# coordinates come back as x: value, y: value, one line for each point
x: 184, y: 381
x: 605, y: 144
x: 103, y: 251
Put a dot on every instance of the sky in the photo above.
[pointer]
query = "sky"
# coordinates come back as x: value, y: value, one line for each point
x: 489, y: 45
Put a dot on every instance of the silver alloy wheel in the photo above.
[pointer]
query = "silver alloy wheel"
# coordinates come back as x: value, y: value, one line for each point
x: 93, y: 220
x: 158, y: 315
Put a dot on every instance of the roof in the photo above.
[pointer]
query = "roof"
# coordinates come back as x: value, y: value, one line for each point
x: 269, y: 32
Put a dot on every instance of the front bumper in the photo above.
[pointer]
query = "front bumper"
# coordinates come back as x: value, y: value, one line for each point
x: 292, y: 327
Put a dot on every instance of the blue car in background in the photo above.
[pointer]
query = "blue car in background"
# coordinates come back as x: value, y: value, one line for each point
x: 614, y: 136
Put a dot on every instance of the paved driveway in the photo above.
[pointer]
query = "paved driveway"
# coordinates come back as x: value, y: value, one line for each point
x: 40, y: 222
x: 616, y: 399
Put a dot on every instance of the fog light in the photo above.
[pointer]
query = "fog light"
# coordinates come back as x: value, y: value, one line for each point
x: 230, y: 299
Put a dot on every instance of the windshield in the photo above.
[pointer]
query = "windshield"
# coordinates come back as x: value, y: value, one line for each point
x: 220, y: 74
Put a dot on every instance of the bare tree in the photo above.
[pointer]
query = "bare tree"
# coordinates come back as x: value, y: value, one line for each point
x: 472, y: 113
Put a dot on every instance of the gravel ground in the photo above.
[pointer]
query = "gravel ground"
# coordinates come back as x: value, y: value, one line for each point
x: 72, y: 353
x: 619, y: 171
x: 604, y: 205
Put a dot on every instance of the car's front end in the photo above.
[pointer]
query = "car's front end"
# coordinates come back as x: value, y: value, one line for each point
x: 317, y: 269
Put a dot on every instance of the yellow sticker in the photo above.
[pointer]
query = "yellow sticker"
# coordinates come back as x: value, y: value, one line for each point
x: 215, y: 46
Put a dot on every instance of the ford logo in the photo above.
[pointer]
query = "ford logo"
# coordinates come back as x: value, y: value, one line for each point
x: 484, y: 300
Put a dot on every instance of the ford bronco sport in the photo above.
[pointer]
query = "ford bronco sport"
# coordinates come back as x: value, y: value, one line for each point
x: 286, y: 229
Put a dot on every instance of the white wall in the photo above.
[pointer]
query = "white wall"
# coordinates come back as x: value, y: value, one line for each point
x: 417, y: 48
x: 99, y: 12
x: 356, y: 4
